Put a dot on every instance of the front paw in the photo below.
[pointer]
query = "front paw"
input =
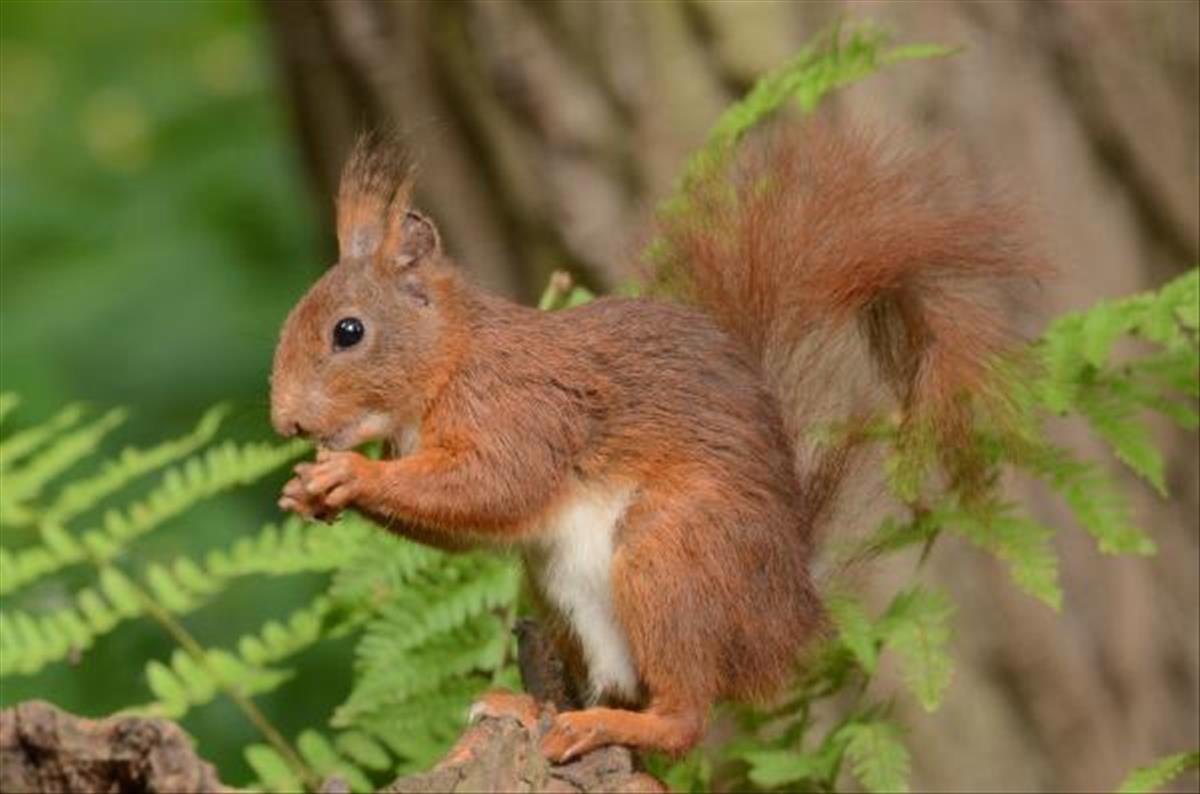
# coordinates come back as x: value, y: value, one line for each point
x: 499, y: 704
x: 336, y: 479
x: 296, y: 499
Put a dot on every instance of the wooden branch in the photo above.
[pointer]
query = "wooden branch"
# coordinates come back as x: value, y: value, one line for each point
x: 44, y: 749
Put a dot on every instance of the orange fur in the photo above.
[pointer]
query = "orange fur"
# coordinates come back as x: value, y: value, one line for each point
x: 834, y: 280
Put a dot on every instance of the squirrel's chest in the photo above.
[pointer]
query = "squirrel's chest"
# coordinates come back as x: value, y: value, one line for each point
x: 571, y: 562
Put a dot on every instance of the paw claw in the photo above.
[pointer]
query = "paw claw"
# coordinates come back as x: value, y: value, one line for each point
x: 520, y: 707
x: 571, y: 736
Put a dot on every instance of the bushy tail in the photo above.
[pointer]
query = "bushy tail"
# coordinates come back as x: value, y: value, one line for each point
x: 867, y: 281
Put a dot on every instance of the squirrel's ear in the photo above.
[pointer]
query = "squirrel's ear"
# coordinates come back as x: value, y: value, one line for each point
x: 410, y: 238
x: 375, y: 181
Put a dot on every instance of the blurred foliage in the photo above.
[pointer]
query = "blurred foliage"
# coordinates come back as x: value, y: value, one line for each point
x: 1160, y: 773
x: 154, y: 230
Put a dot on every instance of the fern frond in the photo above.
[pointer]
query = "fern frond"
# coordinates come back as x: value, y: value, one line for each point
x: 363, y: 750
x: 273, y: 772
x: 189, y: 681
x: 773, y: 768
x: 480, y: 645
x: 218, y: 469
x: 839, y: 57
x: 1018, y: 540
x: 1097, y: 503
x: 181, y: 587
x: 80, y: 495
x: 295, y: 546
x: 8, y: 401
x: 842, y: 57
x: 29, y: 642
x: 445, y: 599
x: 382, y: 566
x: 1111, y: 406
x: 439, y: 631
x: 855, y: 629
x: 917, y: 627
x: 24, y: 442
x: 877, y: 755
x: 277, y: 640
x: 419, y: 731
x: 1154, y: 776
x: 23, y: 483
x: 1078, y: 376
x: 324, y: 757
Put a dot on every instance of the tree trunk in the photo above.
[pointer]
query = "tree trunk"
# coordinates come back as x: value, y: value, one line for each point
x: 546, y: 130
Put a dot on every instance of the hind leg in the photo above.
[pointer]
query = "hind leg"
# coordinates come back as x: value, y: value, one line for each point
x: 673, y: 582
x: 666, y: 726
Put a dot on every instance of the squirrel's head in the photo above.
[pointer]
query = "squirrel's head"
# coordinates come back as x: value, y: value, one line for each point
x: 357, y: 350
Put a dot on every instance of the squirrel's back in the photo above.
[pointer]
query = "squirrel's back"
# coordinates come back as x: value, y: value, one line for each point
x: 662, y: 388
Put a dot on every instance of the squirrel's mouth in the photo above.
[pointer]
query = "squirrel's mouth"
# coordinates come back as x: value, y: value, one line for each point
x: 372, y: 426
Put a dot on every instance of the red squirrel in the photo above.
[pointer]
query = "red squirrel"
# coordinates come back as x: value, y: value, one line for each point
x: 654, y: 462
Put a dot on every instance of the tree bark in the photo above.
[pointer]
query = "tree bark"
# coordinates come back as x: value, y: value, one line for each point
x: 44, y: 750
x: 545, y: 131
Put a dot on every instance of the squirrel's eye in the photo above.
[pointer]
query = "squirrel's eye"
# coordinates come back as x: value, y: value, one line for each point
x: 348, y: 332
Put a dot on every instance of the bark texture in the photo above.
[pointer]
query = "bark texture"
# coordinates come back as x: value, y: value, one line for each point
x: 545, y: 131
x: 44, y: 750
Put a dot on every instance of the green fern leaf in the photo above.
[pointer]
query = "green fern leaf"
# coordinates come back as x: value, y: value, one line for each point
x: 22, y: 443
x: 8, y: 402
x: 842, y: 58
x: 167, y: 591
x: 785, y: 767
x: 199, y: 684
x: 382, y: 566
x: 855, y: 629
x: 363, y: 750
x: 273, y: 772
x: 217, y: 470
x: 1183, y: 296
x: 29, y: 565
x: 323, y: 758
x: 180, y: 489
x: 120, y: 592
x: 172, y: 694
x: 1110, y: 408
x: 1098, y: 504
x: 877, y: 755
x: 26, y: 482
x: 276, y: 641
x: 1153, y: 777
x: 131, y: 464
x: 916, y: 626
x: 96, y: 611
x: 244, y: 678
x: 1021, y: 542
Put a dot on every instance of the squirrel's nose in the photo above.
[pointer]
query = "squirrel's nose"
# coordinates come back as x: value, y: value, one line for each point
x: 286, y: 425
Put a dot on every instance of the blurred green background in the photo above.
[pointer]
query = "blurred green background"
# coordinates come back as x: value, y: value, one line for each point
x: 154, y: 230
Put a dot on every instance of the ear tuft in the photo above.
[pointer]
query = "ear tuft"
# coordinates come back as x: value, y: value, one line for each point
x: 376, y: 184
x: 410, y: 237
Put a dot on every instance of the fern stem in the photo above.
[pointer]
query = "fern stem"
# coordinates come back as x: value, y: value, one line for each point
x: 194, y: 649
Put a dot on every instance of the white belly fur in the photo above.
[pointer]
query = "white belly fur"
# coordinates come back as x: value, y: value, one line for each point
x: 572, y: 563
